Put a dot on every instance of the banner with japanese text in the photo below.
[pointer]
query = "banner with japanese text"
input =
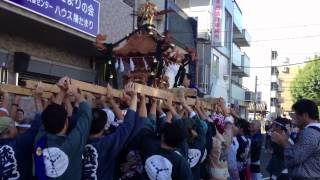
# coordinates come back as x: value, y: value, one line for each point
x: 82, y: 15
x: 217, y: 23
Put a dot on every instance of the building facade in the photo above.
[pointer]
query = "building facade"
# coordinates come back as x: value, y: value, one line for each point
x: 35, y: 45
x: 286, y: 76
x: 275, y: 85
x: 40, y: 40
x: 220, y: 38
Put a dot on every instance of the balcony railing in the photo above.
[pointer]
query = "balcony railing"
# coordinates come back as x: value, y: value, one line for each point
x: 243, y: 38
x: 245, y: 61
x: 249, y: 96
x: 240, y: 67
x: 236, y: 55
x: 237, y: 20
x: 237, y: 91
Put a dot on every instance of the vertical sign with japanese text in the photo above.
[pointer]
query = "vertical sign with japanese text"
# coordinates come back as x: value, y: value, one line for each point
x: 217, y: 23
x: 82, y: 15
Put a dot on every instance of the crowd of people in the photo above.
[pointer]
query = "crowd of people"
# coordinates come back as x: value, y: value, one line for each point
x: 139, y: 137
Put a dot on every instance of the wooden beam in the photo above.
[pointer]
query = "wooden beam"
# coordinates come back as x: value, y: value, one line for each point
x: 188, y: 92
x: 30, y: 84
x: 22, y: 91
x: 153, y: 92
x: 139, y: 88
x: 82, y: 86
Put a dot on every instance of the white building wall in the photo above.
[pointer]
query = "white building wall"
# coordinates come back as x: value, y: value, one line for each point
x: 219, y: 82
x: 203, y: 15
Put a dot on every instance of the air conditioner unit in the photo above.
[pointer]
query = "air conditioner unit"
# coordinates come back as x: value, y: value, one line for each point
x: 204, y: 35
x: 226, y: 77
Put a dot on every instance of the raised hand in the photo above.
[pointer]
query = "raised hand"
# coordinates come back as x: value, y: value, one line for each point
x: 198, y: 104
x: 39, y: 90
x: 181, y: 95
x: 75, y: 91
x: 130, y: 90
x: 109, y: 95
x: 64, y: 83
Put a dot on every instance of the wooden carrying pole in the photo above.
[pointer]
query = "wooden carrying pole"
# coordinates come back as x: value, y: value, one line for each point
x: 22, y: 91
x: 139, y: 88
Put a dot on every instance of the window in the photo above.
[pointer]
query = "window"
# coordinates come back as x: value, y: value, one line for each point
x: 4, y: 73
x: 274, y: 71
x: 274, y: 102
x: 285, y: 70
x: 215, y: 66
x: 227, y: 30
x: 130, y: 3
x: 274, y: 55
x: 274, y: 86
x: 208, y: 72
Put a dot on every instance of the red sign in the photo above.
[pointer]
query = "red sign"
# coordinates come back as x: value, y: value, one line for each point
x: 217, y: 23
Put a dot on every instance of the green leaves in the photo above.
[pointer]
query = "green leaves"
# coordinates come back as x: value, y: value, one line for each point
x: 306, y: 84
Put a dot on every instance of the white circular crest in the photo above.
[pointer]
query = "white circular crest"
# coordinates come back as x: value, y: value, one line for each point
x: 56, y: 162
x: 158, y: 168
x: 193, y: 157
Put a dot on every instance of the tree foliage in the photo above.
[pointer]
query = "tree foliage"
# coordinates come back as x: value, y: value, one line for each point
x: 306, y: 84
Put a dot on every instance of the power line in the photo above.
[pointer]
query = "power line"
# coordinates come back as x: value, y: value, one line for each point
x: 268, y: 40
x: 284, y: 65
x: 288, y: 38
x: 285, y: 27
x: 290, y: 87
x: 261, y: 28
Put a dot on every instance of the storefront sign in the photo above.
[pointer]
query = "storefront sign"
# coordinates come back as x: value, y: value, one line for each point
x: 217, y: 23
x: 82, y: 15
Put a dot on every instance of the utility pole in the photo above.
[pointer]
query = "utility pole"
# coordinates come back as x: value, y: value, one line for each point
x: 255, y: 98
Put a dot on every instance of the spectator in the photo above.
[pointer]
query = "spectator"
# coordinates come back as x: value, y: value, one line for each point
x: 18, y: 115
x: 232, y: 154
x: 58, y: 154
x: 256, y: 144
x: 21, y: 123
x: 243, y: 153
x: 267, y: 142
x: 302, y: 159
x: 276, y: 166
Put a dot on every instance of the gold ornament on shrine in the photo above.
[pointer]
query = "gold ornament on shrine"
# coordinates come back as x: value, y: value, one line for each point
x: 148, y: 11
